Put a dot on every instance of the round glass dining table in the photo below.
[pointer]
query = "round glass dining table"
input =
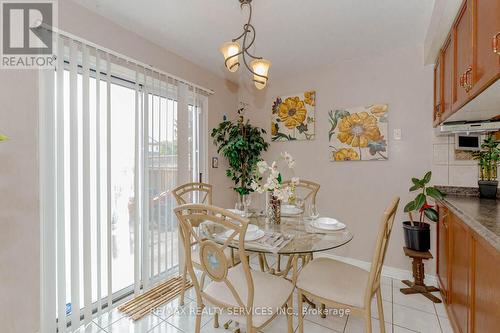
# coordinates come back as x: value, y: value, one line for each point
x: 302, y: 241
x: 302, y: 237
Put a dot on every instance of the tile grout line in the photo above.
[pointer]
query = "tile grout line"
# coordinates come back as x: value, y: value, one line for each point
x: 392, y: 305
x: 439, y: 321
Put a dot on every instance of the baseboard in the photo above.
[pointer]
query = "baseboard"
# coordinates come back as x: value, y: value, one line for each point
x: 388, y: 271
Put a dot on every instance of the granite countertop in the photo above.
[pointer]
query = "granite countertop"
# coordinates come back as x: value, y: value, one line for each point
x: 481, y: 215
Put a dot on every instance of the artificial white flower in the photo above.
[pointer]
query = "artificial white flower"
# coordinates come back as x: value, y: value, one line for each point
x: 295, y: 181
x: 262, y: 166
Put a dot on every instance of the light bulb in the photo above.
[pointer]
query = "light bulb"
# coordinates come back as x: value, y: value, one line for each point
x: 261, y: 67
x: 230, y: 49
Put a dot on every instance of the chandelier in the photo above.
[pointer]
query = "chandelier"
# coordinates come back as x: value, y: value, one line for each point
x: 259, y: 66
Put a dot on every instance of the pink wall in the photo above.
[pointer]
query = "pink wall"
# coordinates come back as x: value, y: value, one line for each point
x: 19, y: 209
x: 19, y: 218
x: 358, y: 192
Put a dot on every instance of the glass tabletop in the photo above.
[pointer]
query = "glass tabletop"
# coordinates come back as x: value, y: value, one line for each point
x: 303, y: 237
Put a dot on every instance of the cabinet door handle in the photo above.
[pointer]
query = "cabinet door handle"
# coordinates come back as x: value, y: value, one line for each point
x: 462, y: 80
x: 468, y: 84
x: 495, y: 44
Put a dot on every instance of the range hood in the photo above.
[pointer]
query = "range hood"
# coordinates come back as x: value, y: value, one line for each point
x: 469, y: 127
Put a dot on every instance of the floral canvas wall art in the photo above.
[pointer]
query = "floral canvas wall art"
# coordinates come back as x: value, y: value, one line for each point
x: 293, y: 117
x: 359, y: 134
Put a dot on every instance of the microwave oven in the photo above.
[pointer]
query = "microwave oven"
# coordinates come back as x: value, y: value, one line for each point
x: 471, y: 142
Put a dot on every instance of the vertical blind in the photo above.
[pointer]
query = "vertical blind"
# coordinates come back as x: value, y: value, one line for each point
x: 115, y: 137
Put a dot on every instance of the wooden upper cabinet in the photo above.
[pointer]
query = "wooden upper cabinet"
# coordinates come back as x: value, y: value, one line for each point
x: 463, y: 55
x: 486, y: 27
x: 437, y: 91
x: 447, y: 86
x: 459, y: 265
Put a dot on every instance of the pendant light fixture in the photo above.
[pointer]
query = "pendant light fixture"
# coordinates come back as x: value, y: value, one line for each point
x: 231, y: 51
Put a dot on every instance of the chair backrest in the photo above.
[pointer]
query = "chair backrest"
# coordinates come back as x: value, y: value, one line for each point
x: 214, y: 263
x: 305, y: 190
x: 384, y: 234
x: 193, y: 193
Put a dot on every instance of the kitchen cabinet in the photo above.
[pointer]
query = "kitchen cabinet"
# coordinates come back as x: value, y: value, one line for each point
x: 463, y: 55
x: 447, y: 86
x: 469, y: 61
x: 486, y: 30
x: 485, y: 287
x: 468, y: 269
x: 459, y: 279
x: 438, y: 91
x: 443, y: 251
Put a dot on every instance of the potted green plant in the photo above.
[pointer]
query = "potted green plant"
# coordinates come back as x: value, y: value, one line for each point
x: 242, y: 144
x: 417, y: 233
x: 487, y: 159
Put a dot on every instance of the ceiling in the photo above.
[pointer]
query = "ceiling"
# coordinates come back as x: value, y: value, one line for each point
x: 296, y: 35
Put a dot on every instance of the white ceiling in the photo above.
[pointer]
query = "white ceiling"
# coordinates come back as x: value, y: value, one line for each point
x: 296, y: 35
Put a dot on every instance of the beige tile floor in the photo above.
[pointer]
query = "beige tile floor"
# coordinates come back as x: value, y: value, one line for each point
x: 403, y: 314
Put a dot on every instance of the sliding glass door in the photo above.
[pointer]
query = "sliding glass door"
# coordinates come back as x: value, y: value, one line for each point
x: 112, y: 134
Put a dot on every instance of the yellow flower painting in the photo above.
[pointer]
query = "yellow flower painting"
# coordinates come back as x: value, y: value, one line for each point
x: 293, y: 117
x: 359, y: 134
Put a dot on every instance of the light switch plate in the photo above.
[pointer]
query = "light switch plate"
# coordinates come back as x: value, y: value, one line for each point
x: 397, y: 134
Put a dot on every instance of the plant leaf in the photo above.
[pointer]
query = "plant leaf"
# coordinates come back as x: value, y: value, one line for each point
x: 410, y: 206
x: 414, y: 188
x: 427, y: 177
x: 419, y: 201
x: 431, y: 214
x: 434, y: 193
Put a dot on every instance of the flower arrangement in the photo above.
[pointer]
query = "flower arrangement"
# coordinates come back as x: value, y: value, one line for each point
x: 273, y: 182
x: 274, y: 185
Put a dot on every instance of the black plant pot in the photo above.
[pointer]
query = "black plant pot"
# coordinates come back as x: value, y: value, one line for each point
x: 418, y: 236
x: 488, y: 188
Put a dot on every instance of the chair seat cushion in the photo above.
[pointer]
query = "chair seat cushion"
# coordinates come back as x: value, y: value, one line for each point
x: 270, y: 292
x: 334, y: 280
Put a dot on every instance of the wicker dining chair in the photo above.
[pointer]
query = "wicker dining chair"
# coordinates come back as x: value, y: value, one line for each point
x: 238, y: 291
x: 195, y: 193
x: 307, y: 191
x: 340, y: 285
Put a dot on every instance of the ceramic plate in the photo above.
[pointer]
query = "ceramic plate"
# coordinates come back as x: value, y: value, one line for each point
x: 250, y: 236
x: 290, y: 210
x: 327, y: 226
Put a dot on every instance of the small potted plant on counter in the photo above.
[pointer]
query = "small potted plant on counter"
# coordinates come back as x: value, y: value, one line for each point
x: 487, y: 159
x: 417, y: 233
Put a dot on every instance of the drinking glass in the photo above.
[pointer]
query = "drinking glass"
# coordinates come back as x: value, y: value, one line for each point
x: 239, y: 207
x: 299, y: 203
x: 312, y: 211
x: 247, y: 201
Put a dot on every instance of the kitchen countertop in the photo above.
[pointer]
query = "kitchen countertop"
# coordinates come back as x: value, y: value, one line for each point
x: 481, y: 215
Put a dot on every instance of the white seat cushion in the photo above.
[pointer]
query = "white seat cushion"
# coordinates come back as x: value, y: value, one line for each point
x: 334, y: 280
x: 270, y: 292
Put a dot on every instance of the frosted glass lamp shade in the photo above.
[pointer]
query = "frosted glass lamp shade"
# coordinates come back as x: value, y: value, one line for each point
x: 261, y: 67
x: 230, y: 49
